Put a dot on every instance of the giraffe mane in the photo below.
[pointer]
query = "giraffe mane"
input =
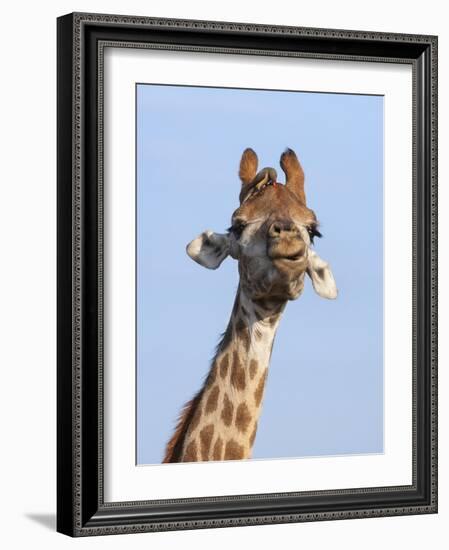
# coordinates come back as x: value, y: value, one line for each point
x: 174, y: 446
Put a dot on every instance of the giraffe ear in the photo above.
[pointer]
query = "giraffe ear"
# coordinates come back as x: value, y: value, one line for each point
x: 294, y: 174
x: 321, y: 275
x: 209, y: 249
x: 247, y: 170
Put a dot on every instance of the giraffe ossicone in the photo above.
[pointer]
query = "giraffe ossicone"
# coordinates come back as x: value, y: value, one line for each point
x: 270, y: 236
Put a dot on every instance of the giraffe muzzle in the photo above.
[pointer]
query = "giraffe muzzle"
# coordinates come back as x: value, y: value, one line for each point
x: 285, y: 242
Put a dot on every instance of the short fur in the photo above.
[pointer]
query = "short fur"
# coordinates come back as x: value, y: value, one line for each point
x: 248, y: 170
x: 174, y: 447
x: 270, y: 237
x: 294, y: 174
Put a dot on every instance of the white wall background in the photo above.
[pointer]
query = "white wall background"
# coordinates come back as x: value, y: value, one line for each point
x: 28, y: 268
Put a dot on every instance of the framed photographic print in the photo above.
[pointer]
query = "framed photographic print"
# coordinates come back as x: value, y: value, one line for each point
x: 247, y: 284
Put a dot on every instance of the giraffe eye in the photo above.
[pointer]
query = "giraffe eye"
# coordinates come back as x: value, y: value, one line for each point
x: 237, y: 229
x: 313, y: 232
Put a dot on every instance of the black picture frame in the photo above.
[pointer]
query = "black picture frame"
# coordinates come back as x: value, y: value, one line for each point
x: 81, y: 510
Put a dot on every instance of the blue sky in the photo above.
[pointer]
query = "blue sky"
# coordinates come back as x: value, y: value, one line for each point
x: 324, y: 394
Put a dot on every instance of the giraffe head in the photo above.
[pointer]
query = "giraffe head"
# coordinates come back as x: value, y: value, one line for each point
x: 271, y: 235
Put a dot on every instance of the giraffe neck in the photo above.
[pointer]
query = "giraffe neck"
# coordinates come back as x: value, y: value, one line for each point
x: 221, y: 421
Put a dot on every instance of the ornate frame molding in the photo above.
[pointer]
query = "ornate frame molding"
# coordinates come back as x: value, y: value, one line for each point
x: 81, y: 40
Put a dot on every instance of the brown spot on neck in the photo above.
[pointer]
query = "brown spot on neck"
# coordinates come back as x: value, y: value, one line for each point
x: 218, y: 449
x: 224, y: 364
x: 253, y: 366
x: 228, y: 410
x: 233, y: 450
x: 212, y: 400
x: 206, y: 435
x: 238, y: 375
x: 191, y: 454
x: 242, y: 417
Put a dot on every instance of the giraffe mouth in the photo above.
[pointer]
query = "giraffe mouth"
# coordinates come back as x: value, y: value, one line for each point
x: 294, y: 263
x: 292, y: 257
x: 289, y: 263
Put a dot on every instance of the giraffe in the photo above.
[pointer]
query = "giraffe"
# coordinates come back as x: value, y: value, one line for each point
x: 271, y: 236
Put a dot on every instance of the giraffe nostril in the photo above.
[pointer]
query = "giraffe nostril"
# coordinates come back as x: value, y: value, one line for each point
x: 275, y: 229
x: 278, y: 228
